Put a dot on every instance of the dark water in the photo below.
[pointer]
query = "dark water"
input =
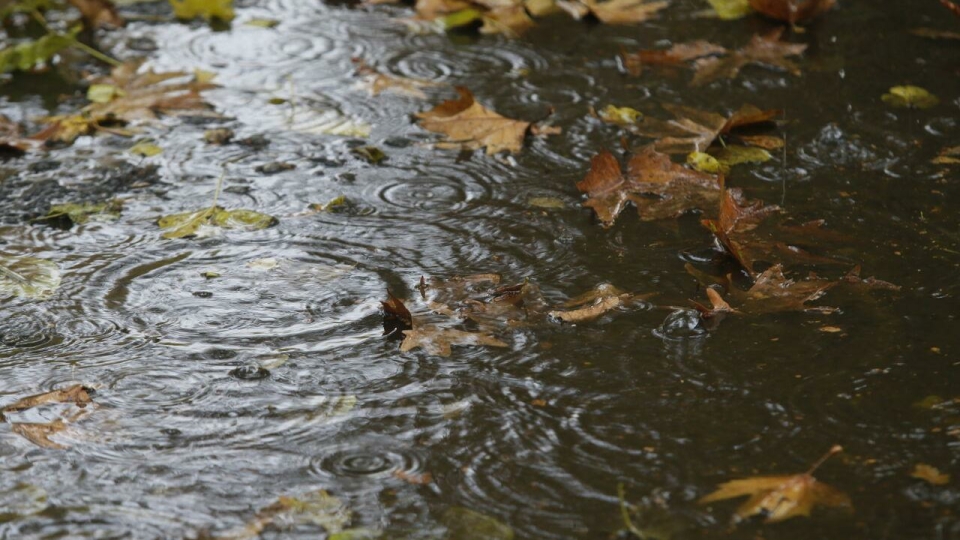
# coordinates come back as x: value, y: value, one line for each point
x: 537, y: 435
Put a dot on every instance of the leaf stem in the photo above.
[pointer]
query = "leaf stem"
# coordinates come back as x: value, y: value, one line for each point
x: 97, y: 54
x: 835, y: 449
x: 625, y: 512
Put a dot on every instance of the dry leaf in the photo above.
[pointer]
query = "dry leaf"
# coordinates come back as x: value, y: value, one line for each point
x: 76, y: 394
x: 659, y: 188
x: 792, y: 11
x: 677, y: 54
x: 469, y: 125
x: 596, y: 302
x: 930, y: 474
x: 624, y: 11
x: 693, y: 130
x: 438, y: 340
x: 778, y: 498
x: 40, y: 433
x: 766, y: 50
x: 377, y: 82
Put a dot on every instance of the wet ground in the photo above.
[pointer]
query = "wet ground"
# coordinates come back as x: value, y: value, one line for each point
x: 537, y: 435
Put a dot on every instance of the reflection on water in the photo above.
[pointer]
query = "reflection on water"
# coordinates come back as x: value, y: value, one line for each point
x: 219, y: 394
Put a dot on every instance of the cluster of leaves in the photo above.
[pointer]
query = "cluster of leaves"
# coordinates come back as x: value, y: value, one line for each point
x: 472, y: 310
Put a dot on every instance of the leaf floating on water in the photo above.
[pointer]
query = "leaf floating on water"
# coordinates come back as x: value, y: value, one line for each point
x: 207, y: 9
x: 732, y: 154
x: 146, y: 149
x: 28, y: 277
x: 396, y: 313
x: 693, y: 130
x: 469, y: 125
x: 27, y: 55
x: 40, y: 433
x: 551, y: 203
x: 912, y: 97
x: 623, y: 116
x: 792, y: 11
x: 77, y: 394
x: 439, y: 340
x: 624, y: 11
x: 262, y: 23
x: 765, y: 50
x: 930, y: 474
x: 677, y: 54
x: 704, y: 162
x: 594, y: 303
x: 190, y: 224
x: 377, y: 82
x: 778, y: 498
x: 356, y: 534
x: 465, y: 524
x: 370, y: 154
x: 952, y: 6
x: 948, y: 156
x: 730, y: 10
x: 80, y: 213
x: 773, y: 292
x: 659, y: 188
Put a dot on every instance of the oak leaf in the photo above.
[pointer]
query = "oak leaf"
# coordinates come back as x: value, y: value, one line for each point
x: 792, y: 11
x: 766, y: 50
x: 772, y: 292
x: 693, y: 130
x: 594, y: 303
x: 659, y: 188
x: 778, y: 498
x: 469, y: 125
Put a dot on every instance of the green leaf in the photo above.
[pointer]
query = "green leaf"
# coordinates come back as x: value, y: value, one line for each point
x: 208, y: 9
x: 464, y: 524
x: 28, y: 277
x: 729, y: 10
x: 189, y: 224
x: 27, y: 55
x: 461, y: 18
x: 913, y: 97
x: 145, y: 149
x: 104, y: 93
x: 622, y: 116
x: 704, y: 162
x: 80, y: 213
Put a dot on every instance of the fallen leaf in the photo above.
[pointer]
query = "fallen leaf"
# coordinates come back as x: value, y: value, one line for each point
x: 551, y: 203
x: 469, y: 125
x: 732, y: 154
x: 97, y: 13
x: 207, y: 9
x: 396, y: 314
x: 772, y: 292
x: 718, y: 306
x: 413, y: 478
x: 146, y: 149
x: 189, y: 224
x: 730, y: 10
x: 933, y: 33
x: 594, y: 303
x: 377, y: 82
x: 40, y: 433
x: 12, y: 143
x: 28, y: 55
x: 28, y: 277
x: 218, y: 136
x: 704, y: 162
x: 930, y: 474
x: 69, y: 214
x: 262, y: 23
x: 677, y: 54
x: 77, y: 394
x: 693, y: 130
x: 370, y: 154
x: 622, y: 116
x: 465, y: 524
x: 766, y: 50
x: 439, y: 340
x: 952, y: 6
x: 659, y: 188
x: 624, y: 11
x: 317, y: 508
x: 778, y: 498
x: 792, y: 11
x: 912, y: 97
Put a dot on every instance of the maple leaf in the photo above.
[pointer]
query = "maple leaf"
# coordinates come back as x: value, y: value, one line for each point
x: 659, y: 188
x: 737, y: 229
x: 781, y: 497
x: 693, y: 130
x: 469, y: 125
x: 766, y: 50
x: 677, y: 54
x: 792, y: 11
x: 595, y: 302
x: 133, y: 97
x: 97, y: 13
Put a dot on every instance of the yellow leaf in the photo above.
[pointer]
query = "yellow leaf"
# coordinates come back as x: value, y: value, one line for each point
x: 623, y: 116
x: 930, y: 474
x: 729, y: 10
x: 910, y: 96
x: 145, y: 149
x: 208, y: 9
x: 704, y: 162
x: 103, y: 93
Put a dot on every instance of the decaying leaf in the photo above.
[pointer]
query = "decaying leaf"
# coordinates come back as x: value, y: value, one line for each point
x: 396, y: 316
x: 98, y: 13
x: 772, y: 292
x: 190, y: 224
x: 40, y: 433
x: 207, y: 9
x: 28, y: 277
x: 377, y: 82
x: 592, y: 304
x: 317, y: 508
x: 765, y: 50
x: 792, y: 11
x: 69, y: 214
x: 439, y: 340
x: 930, y: 474
x: 948, y: 156
x: 465, y: 524
x: 778, y: 498
x: 677, y: 54
x: 659, y: 188
x: 909, y: 96
x: 469, y: 125
x: 128, y: 96
x: 693, y: 130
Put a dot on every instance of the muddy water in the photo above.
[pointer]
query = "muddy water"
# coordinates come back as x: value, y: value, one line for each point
x: 537, y: 435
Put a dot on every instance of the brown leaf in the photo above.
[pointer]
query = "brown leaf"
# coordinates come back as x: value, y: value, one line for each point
x: 395, y: 315
x: 930, y: 474
x: 693, y: 130
x: 865, y: 284
x: 432, y: 9
x: 377, y: 82
x: 792, y: 11
x: 766, y: 50
x: 659, y: 188
x: 596, y: 302
x: 778, y: 498
x: 438, y: 340
x: 718, y: 306
x: 416, y: 479
x: 97, y: 13
x: 469, y: 125
x: 12, y: 143
x: 952, y: 6
x: 510, y: 20
x: 39, y: 434
x: 624, y: 11
x: 677, y: 54
x: 772, y: 293
x: 76, y: 394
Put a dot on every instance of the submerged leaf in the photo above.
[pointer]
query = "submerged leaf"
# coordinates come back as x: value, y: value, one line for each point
x: 40, y: 433
x: 28, y: 277
x: 377, y: 82
x: 469, y: 125
x: 778, y: 498
x: 80, y: 213
x: 189, y: 224
x: 909, y: 96
x: 693, y: 130
x: 659, y: 188
x: 207, y: 9
x: 317, y: 508
x: 677, y: 54
x: 465, y: 524
x: 594, y: 303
